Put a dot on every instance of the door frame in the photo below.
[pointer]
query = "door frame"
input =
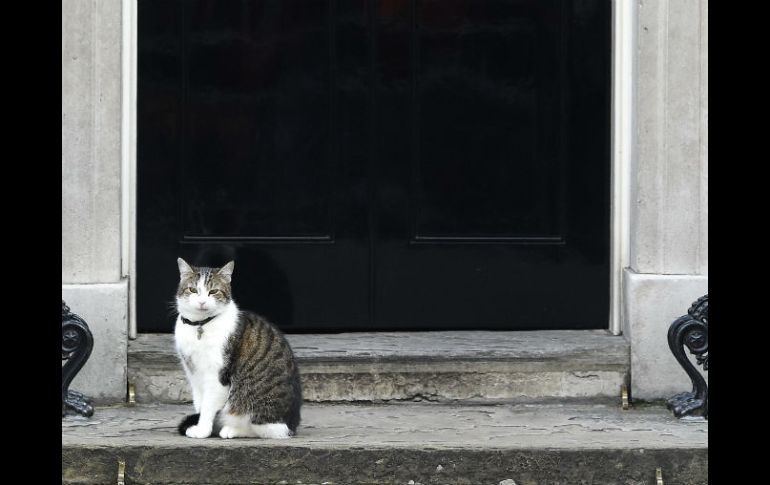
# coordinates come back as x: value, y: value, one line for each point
x: 622, y: 152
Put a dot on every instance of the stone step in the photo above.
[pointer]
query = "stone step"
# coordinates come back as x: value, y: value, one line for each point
x: 415, y: 366
x: 397, y: 443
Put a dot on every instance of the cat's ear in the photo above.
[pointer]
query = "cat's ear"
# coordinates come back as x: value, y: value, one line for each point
x: 184, y: 268
x: 227, y: 271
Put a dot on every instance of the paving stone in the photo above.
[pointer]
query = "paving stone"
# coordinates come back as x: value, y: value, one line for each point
x: 427, y: 443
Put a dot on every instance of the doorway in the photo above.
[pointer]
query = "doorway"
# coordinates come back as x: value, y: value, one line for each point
x: 380, y: 165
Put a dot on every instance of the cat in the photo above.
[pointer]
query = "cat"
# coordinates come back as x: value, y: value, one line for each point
x: 244, y: 377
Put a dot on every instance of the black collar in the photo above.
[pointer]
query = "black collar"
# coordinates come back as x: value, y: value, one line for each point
x: 198, y: 323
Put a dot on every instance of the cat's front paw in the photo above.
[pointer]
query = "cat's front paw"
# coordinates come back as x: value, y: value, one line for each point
x: 228, y: 432
x: 198, y: 431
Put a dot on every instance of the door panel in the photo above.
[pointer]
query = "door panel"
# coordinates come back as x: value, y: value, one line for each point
x: 250, y: 148
x: 485, y: 193
x: 485, y: 164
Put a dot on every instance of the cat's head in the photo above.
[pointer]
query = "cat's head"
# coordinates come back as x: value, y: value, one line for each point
x: 203, y: 292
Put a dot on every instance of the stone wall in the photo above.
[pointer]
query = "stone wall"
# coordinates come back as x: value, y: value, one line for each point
x: 92, y: 283
x: 669, y: 223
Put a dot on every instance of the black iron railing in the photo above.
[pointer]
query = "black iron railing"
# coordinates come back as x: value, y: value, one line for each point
x: 691, y: 331
x: 76, y: 345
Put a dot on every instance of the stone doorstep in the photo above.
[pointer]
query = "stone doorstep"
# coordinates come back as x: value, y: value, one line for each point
x: 426, y: 443
x: 433, y: 366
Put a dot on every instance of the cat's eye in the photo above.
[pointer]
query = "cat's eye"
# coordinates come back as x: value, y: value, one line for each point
x: 192, y: 290
x: 214, y: 291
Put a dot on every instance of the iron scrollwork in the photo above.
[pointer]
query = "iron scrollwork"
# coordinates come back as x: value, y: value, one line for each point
x: 76, y: 345
x: 691, y: 331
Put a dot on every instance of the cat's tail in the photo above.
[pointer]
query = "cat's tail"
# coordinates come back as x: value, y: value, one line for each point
x: 188, y: 421
x: 293, y: 417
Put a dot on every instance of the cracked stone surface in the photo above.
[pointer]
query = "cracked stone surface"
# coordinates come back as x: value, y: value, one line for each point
x: 436, y: 366
x: 407, y: 425
x: 427, y: 443
x: 596, y: 346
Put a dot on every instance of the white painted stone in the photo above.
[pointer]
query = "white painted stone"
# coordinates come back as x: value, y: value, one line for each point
x: 653, y: 302
x: 91, y: 151
x: 669, y: 231
x: 104, y: 308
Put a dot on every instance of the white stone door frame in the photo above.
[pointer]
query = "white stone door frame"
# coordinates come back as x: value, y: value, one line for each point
x: 622, y: 152
x: 624, y: 72
x: 128, y: 156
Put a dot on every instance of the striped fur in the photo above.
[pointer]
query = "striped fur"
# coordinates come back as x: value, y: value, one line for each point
x: 262, y: 373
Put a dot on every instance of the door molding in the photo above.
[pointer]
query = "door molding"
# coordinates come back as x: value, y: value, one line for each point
x: 623, y: 152
x: 129, y: 78
x: 623, y: 146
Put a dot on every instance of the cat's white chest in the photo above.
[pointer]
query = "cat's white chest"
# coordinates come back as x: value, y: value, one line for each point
x: 201, y: 348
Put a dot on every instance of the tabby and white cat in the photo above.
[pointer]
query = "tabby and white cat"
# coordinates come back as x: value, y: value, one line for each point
x: 244, y: 378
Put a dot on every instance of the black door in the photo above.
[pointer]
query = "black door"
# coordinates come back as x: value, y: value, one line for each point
x: 378, y: 165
